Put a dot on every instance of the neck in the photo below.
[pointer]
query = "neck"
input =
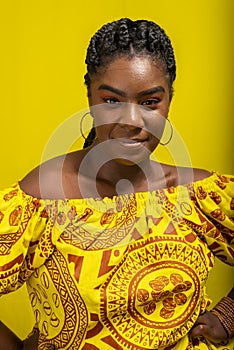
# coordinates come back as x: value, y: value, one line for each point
x: 102, y: 177
x: 116, y: 176
x: 110, y: 168
x: 114, y: 171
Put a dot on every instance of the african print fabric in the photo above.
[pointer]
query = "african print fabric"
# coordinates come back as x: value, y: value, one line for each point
x: 127, y: 272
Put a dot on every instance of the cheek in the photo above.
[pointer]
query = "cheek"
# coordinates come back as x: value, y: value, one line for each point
x: 104, y: 115
x: 107, y: 121
x: 103, y: 131
x: 155, y: 125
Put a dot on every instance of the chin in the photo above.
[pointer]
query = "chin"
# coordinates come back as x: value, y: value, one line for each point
x: 130, y: 157
x: 126, y: 162
x: 131, y: 160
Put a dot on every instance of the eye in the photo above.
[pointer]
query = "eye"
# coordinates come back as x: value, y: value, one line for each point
x: 111, y: 100
x: 151, y: 102
x: 111, y: 103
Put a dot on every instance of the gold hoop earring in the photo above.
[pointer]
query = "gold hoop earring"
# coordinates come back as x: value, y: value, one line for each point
x: 172, y: 130
x: 81, y: 122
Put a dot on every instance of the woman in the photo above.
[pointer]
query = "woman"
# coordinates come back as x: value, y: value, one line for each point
x: 116, y: 248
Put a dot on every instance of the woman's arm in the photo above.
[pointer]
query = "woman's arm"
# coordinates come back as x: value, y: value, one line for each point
x: 31, y: 343
x: 217, y: 325
x: 8, y: 340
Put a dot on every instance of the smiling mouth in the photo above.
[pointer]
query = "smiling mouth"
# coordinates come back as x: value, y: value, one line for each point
x: 131, y: 142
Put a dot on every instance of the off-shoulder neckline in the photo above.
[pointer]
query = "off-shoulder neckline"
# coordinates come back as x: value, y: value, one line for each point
x: 168, y: 190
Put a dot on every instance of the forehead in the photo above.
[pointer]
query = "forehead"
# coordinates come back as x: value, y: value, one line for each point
x: 126, y: 71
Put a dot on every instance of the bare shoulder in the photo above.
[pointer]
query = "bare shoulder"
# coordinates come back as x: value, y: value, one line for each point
x: 47, y: 180
x: 200, y: 174
x: 30, y: 183
x: 184, y: 175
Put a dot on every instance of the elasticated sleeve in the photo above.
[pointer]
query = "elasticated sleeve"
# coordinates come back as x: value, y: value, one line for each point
x: 27, y: 237
x: 214, y: 198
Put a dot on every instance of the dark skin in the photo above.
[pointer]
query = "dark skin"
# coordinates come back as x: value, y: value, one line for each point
x: 209, y: 326
x: 138, y: 83
x: 8, y: 339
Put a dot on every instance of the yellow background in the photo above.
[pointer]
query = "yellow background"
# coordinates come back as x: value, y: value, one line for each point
x: 43, y: 48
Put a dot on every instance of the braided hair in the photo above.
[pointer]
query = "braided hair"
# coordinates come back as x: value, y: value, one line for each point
x: 129, y: 38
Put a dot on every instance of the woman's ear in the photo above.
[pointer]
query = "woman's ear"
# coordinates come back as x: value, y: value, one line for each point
x: 90, y: 100
x: 89, y: 94
x: 171, y: 93
x: 90, y: 106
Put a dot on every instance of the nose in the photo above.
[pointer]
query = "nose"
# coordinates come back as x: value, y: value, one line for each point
x: 131, y: 116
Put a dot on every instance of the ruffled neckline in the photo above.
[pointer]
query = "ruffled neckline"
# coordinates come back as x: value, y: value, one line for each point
x: 172, y: 191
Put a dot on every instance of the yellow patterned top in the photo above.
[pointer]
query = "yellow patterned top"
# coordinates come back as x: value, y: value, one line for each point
x: 127, y: 272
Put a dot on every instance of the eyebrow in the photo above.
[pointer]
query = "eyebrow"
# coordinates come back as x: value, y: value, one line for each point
x: 140, y: 94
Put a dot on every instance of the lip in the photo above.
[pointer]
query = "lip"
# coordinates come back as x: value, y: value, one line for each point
x: 131, y: 142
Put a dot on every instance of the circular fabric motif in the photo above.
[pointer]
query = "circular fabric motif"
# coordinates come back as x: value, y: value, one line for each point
x: 151, y: 298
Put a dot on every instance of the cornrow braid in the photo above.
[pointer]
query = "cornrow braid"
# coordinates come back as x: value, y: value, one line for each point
x: 90, y: 138
x: 128, y: 38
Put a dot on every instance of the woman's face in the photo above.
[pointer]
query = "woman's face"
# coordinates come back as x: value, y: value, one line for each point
x: 130, y: 101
